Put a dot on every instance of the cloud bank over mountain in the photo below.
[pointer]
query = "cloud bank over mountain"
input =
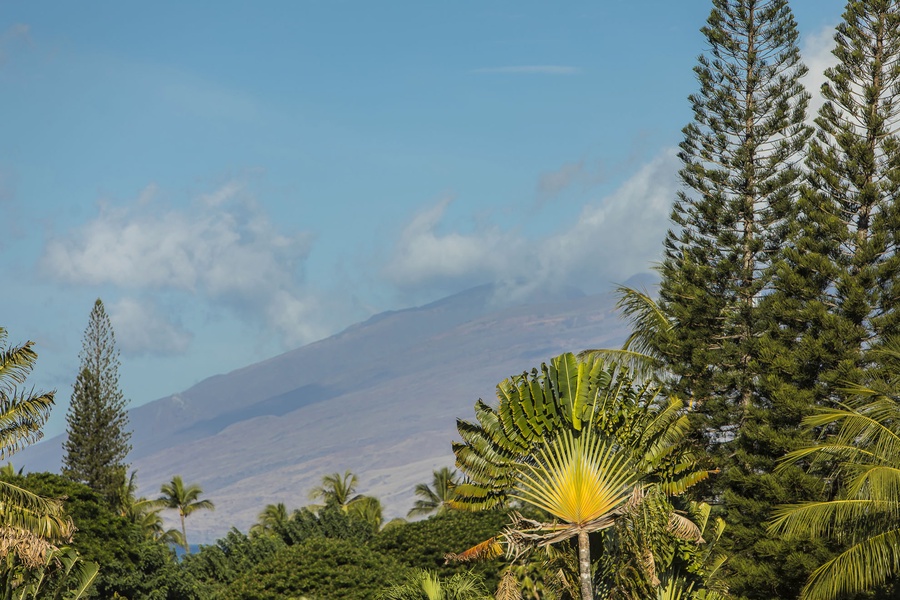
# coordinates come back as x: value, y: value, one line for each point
x: 606, y: 240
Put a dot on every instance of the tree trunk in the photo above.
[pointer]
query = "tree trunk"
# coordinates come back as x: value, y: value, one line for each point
x: 184, y: 533
x: 584, y: 566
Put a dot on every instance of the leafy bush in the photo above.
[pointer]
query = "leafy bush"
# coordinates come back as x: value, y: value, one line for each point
x: 319, y: 568
x: 216, y: 566
x: 130, y: 565
x: 423, y: 544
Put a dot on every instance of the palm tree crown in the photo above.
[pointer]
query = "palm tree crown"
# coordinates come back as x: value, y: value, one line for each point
x: 184, y: 499
x: 29, y: 524
x: 436, y: 498
x: 270, y: 519
x: 336, y: 489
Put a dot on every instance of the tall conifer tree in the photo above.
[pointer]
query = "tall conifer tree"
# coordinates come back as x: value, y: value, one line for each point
x: 842, y: 270
x: 837, y: 286
x: 740, y: 173
x: 98, y: 435
x: 742, y: 157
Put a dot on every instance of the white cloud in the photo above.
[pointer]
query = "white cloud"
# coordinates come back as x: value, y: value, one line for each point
x: 532, y: 70
x: 424, y: 256
x: 142, y: 328
x: 816, y: 52
x: 605, y: 241
x: 221, y: 249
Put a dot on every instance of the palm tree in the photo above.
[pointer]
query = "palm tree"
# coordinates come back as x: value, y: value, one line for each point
x: 336, y: 489
x: 368, y: 509
x: 185, y: 500
x: 8, y: 470
x: 583, y: 481
x: 29, y: 524
x: 578, y: 439
x: 272, y: 517
x: 144, y: 513
x: 130, y: 506
x: 864, y: 444
x: 425, y: 585
x: 437, y: 499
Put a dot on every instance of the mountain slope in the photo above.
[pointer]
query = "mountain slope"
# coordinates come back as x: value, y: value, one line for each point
x: 380, y: 398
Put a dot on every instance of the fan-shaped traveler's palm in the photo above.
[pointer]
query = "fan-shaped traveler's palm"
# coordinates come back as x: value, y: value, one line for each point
x: 576, y: 439
x: 435, y: 499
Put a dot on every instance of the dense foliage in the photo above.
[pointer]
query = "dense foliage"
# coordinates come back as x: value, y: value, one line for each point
x: 318, y: 568
x: 425, y: 544
x: 741, y: 172
x: 130, y: 564
x: 779, y: 306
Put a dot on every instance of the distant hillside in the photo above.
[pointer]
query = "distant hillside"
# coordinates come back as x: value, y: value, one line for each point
x: 380, y: 398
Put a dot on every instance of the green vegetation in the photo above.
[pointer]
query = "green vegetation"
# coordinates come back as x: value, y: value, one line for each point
x: 425, y: 585
x: 741, y: 158
x: 272, y: 518
x: 97, y: 437
x: 426, y: 544
x: 30, y: 524
x: 318, y: 568
x: 435, y: 499
x: 585, y: 445
x: 743, y: 444
x: 130, y: 564
x: 337, y: 489
x: 864, y: 443
x: 184, y: 499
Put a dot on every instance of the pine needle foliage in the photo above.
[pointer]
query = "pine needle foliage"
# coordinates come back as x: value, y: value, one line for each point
x: 740, y: 157
x: 97, y: 443
x: 835, y: 298
x: 743, y: 175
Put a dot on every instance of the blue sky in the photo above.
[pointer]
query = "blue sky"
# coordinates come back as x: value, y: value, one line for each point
x: 236, y: 179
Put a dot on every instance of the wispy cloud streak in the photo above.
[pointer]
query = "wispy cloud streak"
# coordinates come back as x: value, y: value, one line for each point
x: 532, y: 70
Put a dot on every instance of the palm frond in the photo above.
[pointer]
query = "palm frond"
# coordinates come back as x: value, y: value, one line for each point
x: 862, y: 567
x: 825, y: 518
x: 640, y: 354
x: 488, y: 549
x: 508, y: 588
x: 577, y: 480
x: 684, y: 528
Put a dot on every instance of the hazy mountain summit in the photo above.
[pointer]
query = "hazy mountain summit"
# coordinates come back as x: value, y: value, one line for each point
x: 380, y: 398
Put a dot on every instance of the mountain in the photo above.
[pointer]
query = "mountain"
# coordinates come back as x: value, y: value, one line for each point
x: 380, y: 398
